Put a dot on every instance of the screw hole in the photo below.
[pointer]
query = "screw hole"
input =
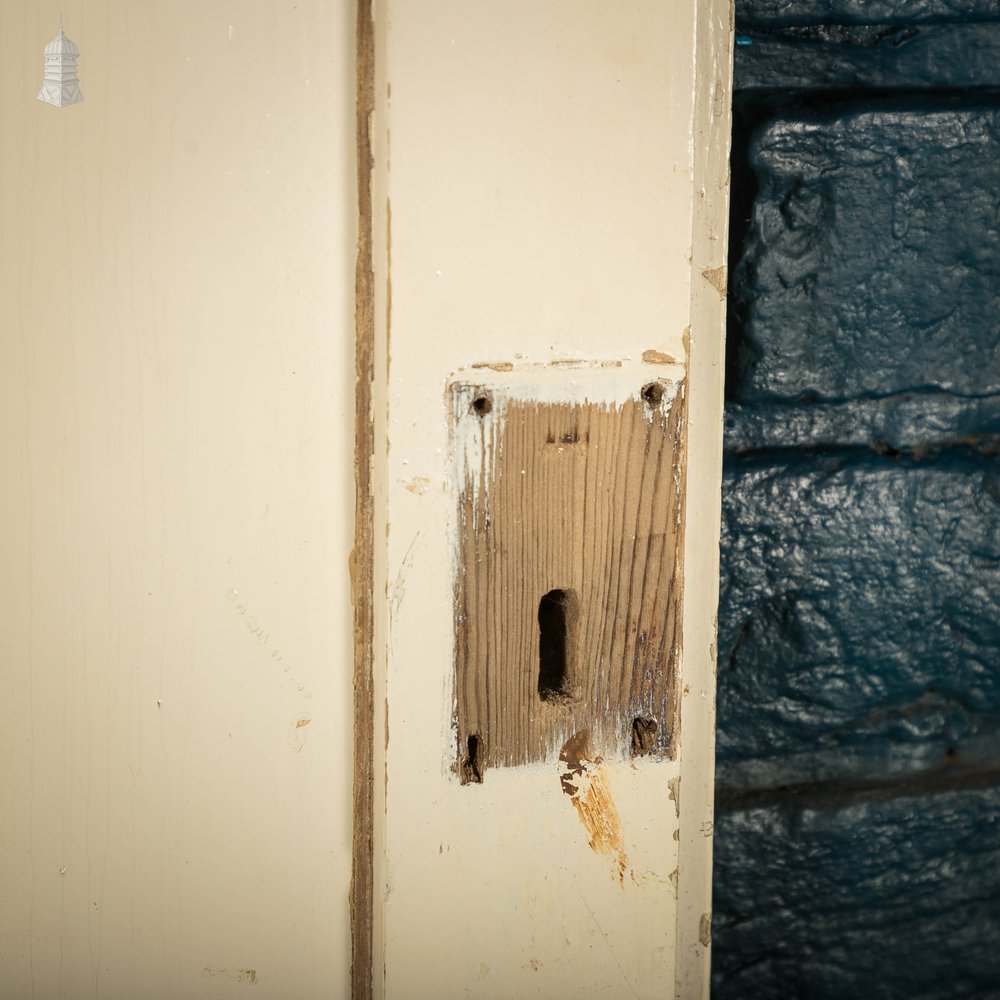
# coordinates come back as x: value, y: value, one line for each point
x: 644, y: 731
x: 652, y: 393
x: 472, y: 772
x: 482, y: 405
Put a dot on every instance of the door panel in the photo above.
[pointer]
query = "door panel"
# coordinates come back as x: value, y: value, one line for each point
x: 176, y: 317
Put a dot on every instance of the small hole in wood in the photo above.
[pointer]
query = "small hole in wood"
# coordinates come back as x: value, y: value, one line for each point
x: 652, y: 393
x: 644, y: 732
x: 482, y: 405
x: 472, y: 772
x: 557, y: 614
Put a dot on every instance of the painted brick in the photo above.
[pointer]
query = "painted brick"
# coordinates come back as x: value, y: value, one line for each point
x: 858, y: 777
x: 873, y: 259
x: 882, y: 899
x: 859, y: 620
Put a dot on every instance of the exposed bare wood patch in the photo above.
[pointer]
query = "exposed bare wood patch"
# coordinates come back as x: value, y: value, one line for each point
x: 362, y: 558
x: 674, y: 784
x: 586, y: 783
x: 716, y: 277
x: 705, y: 929
x: 652, y: 357
x: 568, y: 589
x: 497, y: 366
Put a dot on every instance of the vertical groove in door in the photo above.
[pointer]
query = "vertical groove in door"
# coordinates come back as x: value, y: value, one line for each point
x: 362, y: 562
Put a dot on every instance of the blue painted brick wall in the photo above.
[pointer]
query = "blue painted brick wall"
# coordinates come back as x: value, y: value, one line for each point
x: 858, y: 804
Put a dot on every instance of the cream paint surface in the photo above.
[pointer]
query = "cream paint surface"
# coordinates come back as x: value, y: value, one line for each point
x: 176, y: 435
x: 540, y: 175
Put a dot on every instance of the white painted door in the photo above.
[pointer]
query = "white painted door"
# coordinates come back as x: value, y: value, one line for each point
x: 547, y: 218
x: 545, y: 229
x: 176, y: 433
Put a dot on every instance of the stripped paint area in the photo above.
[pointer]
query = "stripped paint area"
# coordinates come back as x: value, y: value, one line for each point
x: 585, y: 781
x: 654, y: 357
x: 568, y: 565
x: 717, y: 277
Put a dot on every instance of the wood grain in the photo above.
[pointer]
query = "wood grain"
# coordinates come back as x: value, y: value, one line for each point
x: 583, y: 499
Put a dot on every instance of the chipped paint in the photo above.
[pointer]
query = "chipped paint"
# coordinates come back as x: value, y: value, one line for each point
x: 674, y: 784
x: 717, y: 278
x: 652, y: 357
x: 417, y: 485
x: 585, y: 781
x: 495, y: 366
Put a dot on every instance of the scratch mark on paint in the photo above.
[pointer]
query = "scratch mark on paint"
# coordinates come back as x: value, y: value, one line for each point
x: 496, y: 366
x: 705, y: 929
x: 398, y: 591
x: 586, y: 783
x: 651, y: 877
x: 263, y: 639
x: 600, y: 930
x: 237, y: 975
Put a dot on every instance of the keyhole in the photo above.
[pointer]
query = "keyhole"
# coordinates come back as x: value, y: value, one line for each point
x: 472, y: 766
x: 557, y: 613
